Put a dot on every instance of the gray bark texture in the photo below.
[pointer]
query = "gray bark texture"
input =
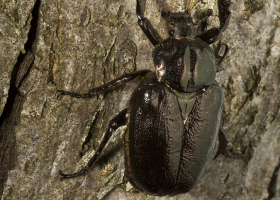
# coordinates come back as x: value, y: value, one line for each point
x: 81, y: 44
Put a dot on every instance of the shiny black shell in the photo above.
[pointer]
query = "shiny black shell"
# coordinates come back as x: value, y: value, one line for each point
x: 186, y: 65
x: 173, y: 127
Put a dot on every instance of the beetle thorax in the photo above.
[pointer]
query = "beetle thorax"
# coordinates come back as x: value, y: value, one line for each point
x: 185, y: 65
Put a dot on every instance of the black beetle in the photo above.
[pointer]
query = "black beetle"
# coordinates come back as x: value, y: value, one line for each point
x: 174, y: 113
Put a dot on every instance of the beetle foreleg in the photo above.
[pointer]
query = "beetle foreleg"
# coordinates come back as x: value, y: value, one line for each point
x: 115, y: 123
x: 145, y: 24
x: 214, y: 34
x: 113, y: 83
x: 222, y: 149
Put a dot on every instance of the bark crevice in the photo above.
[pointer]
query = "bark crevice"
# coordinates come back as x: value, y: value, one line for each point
x: 11, y: 113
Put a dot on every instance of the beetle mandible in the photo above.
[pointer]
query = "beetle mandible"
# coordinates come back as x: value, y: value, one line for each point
x: 173, y: 118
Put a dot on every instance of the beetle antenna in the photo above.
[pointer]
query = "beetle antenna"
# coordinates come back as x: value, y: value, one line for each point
x: 165, y: 14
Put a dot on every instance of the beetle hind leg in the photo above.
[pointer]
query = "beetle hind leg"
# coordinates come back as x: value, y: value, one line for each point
x: 115, y: 123
x: 222, y: 149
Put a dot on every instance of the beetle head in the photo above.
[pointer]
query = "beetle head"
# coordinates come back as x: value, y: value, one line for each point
x: 181, y: 23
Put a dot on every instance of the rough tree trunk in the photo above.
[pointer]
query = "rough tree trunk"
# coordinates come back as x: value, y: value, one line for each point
x: 83, y: 44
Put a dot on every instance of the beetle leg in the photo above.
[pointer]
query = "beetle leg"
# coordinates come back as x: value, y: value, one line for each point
x: 115, y: 123
x: 218, y: 65
x: 145, y: 24
x: 113, y: 83
x: 222, y: 149
x: 214, y: 34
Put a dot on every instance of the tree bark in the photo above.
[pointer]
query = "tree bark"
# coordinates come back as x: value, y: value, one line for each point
x: 78, y: 45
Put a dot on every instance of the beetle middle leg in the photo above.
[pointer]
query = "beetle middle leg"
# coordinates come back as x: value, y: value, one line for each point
x: 109, y: 85
x: 115, y: 123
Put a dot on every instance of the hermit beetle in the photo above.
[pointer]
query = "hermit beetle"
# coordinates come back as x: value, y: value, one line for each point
x: 173, y: 118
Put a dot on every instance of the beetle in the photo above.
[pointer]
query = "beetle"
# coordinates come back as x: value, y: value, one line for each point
x: 173, y: 118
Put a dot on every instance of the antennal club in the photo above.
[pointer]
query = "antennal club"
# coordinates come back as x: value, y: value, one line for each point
x: 165, y: 14
x: 209, y: 13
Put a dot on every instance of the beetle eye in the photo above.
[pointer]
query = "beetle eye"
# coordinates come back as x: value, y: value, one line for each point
x: 171, y: 32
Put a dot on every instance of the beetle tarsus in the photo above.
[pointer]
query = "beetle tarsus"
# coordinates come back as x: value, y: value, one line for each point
x: 79, y: 173
x: 62, y: 92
